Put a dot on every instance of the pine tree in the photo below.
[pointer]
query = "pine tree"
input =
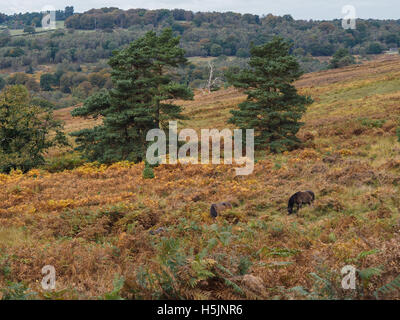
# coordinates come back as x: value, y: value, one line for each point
x: 139, y: 101
x: 273, y: 107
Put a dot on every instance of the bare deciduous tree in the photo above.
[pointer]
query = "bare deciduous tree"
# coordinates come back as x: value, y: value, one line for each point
x: 211, y: 80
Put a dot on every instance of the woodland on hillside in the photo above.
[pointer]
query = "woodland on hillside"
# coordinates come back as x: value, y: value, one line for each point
x: 67, y: 65
x: 229, y: 33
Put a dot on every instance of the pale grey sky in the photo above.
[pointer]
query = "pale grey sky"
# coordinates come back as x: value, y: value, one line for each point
x: 299, y: 9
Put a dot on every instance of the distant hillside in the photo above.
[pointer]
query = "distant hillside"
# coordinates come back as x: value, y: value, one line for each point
x: 73, y: 58
x: 215, y: 33
x: 229, y: 33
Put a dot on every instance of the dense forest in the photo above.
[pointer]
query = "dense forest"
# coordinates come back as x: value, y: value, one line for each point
x: 229, y: 33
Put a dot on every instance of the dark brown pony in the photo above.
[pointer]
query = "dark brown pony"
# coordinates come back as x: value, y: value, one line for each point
x: 217, y: 208
x: 300, y: 198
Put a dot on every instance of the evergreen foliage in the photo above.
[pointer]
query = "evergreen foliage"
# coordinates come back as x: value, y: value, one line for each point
x: 139, y: 101
x: 273, y: 107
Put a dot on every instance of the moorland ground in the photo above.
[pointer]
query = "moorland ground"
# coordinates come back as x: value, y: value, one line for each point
x: 93, y: 223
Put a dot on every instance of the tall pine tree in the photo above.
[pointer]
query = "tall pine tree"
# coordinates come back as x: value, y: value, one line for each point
x: 273, y: 107
x: 141, y: 99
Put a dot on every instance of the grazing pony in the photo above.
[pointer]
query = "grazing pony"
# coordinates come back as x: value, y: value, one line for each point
x: 300, y: 198
x: 217, y: 208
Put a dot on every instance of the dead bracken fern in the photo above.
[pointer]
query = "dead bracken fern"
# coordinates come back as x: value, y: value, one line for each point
x: 93, y: 221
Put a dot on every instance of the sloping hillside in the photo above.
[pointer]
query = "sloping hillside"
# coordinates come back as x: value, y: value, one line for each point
x: 107, y: 229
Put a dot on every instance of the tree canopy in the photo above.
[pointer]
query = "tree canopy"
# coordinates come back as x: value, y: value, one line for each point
x: 27, y: 131
x: 139, y: 101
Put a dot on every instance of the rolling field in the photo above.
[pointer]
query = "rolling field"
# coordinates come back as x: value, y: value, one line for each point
x: 111, y: 234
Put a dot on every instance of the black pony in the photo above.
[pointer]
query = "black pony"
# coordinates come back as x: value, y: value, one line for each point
x: 300, y: 198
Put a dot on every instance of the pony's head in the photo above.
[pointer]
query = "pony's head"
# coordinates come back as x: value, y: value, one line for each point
x: 216, y: 208
x: 312, y: 195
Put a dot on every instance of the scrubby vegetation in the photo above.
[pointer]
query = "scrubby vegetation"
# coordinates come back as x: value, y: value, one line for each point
x: 111, y: 233
x: 342, y: 58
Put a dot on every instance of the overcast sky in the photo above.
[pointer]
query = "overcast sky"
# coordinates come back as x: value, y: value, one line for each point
x: 299, y: 9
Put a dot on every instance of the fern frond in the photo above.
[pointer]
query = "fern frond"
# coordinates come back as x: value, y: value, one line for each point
x: 233, y: 285
x: 366, y: 274
x: 392, y: 286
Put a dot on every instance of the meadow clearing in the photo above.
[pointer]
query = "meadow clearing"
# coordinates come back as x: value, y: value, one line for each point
x: 93, y: 223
